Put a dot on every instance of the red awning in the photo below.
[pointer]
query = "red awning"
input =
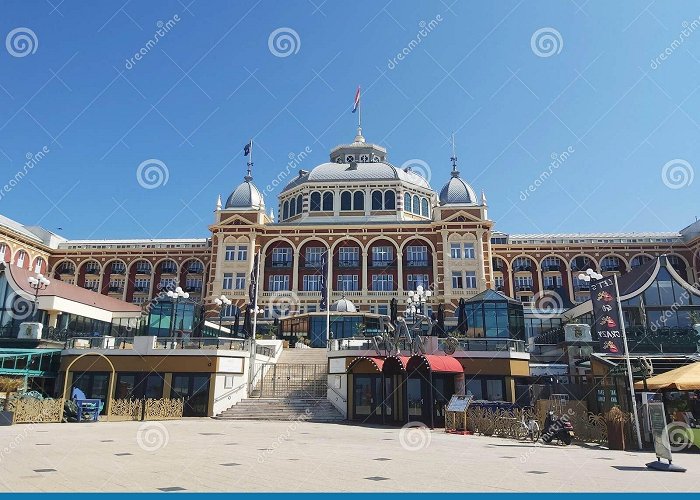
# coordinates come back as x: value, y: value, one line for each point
x: 434, y: 363
x: 377, y: 362
x: 395, y: 364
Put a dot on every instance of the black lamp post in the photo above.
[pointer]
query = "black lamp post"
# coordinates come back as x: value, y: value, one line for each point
x: 176, y: 295
x: 221, y: 302
x: 38, y: 283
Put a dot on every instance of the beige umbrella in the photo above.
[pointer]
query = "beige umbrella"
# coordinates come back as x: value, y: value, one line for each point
x: 685, y: 378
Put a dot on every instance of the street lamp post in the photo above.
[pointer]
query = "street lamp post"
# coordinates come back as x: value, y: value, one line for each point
x: 176, y: 295
x: 221, y: 302
x: 416, y: 300
x: 38, y: 283
x: 587, y: 277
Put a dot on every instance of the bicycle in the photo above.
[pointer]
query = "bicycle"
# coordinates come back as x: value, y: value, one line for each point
x: 529, y: 429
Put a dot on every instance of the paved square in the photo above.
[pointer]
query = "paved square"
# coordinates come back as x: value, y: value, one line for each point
x: 194, y: 455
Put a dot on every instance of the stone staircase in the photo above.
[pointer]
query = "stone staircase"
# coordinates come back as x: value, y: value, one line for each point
x: 313, y: 410
x: 292, y: 389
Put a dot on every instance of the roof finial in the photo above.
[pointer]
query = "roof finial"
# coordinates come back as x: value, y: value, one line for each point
x: 453, y: 158
x: 218, y: 203
x: 483, y: 197
x: 272, y: 215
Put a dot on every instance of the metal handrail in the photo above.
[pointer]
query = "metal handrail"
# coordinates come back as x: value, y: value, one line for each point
x: 337, y: 393
x: 232, y: 391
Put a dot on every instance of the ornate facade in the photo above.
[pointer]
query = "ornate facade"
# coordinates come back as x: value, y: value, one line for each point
x: 387, y: 230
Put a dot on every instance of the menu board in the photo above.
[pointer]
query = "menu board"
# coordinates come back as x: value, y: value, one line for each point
x: 659, y: 431
x: 459, y: 403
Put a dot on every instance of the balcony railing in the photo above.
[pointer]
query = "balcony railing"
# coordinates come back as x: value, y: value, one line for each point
x: 552, y: 267
x: 383, y: 263
x: 143, y: 270
x: 582, y: 288
x: 100, y: 343
x: 281, y: 263
x: 92, y: 270
x: 118, y: 270
x: 116, y: 289
x: 199, y: 343
x: 611, y: 269
x: 523, y: 268
x: 417, y: 263
x: 141, y: 289
x: 168, y: 270
x: 195, y: 288
x: 489, y: 345
x: 66, y: 270
x: 348, y: 263
x: 315, y: 264
x: 523, y: 288
x: 195, y: 270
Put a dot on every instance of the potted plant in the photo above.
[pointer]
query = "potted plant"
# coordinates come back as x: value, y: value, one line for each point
x: 7, y: 386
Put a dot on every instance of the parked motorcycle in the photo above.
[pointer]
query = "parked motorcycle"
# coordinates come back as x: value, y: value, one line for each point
x: 557, y: 428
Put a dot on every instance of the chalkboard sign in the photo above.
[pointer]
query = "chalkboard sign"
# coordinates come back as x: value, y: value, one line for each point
x: 657, y: 419
x: 459, y: 403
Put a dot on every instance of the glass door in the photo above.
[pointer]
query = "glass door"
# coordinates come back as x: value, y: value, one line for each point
x: 367, y: 400
x: 194, y: 389
x: 415, y: 395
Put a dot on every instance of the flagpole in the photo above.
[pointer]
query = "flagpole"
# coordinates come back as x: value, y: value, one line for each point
x: 359, y: 109
x: 629, y: 364
x: 255, y: 300
x: 329, y: 260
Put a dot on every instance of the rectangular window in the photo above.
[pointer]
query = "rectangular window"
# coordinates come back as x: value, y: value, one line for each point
x: 228, y: 281
x: 457, y: 283
x: 312, y: 283
x: 92, y: 284
x: 143, y: 268
x: 193, y: 284
x: 382, y: 256
x: 383, y: 310
x: 383, y: 283
x: 498, y: 282
x: 418, y: 256
x: 142, y: 285
x: 455, y: 250
x: 349, y: 256
x: 470, y: 279
x: 415, y: 280
x: 281, y: 257
x: 118, y: 268
x: 348, y: 282
x: 469, y: 251
x: 313, y: 256
x: 278, y: 283
x: 230, y: 253
x: 523, y: 282
x: 240, y: 281
x: 552, y: 281
x: 242, y: 252
x: 116, y: 285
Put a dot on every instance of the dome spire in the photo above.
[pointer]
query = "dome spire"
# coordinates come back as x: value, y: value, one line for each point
x: 218, y: 203
x: 453, y: 158
x: 248, y: 151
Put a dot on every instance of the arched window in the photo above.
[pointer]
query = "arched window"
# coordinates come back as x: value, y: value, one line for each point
x: 389, y: 200
x: 328, y: 201
x: 38, y: 265
x: 358, y: 202
x: 416, y: 205
x: 315, y: 202
x: 377, y: 200
x: 424, y: 207
x: 299, y: 204
x: 346, y: 200
x: 285, y: 210
x: 407, y: 202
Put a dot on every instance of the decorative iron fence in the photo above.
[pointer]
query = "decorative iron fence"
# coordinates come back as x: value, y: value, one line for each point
x: 147, y: 409
x: 32, y: 410
x: 290, y: 381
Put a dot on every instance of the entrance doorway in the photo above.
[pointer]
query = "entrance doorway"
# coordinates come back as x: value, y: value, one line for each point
x: 418, y: 400
x: 194, y: 389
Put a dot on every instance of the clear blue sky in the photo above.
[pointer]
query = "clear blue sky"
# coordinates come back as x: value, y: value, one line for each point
x: 212, y: 81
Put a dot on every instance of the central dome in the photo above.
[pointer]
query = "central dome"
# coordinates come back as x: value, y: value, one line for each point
x: 358, y: 161
x: 246, y: 196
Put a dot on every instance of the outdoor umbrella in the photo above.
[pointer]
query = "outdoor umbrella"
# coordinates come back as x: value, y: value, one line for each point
x: 394, y: 306
x: 685, y: 378
x: 247, y: 324
x: 462, y: 317
x: 236, y: 320
x: 441, y: 320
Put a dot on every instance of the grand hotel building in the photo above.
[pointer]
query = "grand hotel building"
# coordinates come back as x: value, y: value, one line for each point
x: 387, y: 228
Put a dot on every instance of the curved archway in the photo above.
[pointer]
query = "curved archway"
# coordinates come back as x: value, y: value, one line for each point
x: 111, y: 380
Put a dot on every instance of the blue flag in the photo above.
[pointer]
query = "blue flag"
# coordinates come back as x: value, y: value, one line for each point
x: 246, y: 148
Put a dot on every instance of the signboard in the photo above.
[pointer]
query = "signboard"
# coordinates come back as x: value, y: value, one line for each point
x: 659, y: 431
x: 459, y: 403
x: 606, y: 317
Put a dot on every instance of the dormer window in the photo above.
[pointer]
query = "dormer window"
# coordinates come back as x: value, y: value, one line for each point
x: 349, y: 158
x: 364, y: 158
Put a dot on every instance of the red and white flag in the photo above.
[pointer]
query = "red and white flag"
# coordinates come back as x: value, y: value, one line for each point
x: 357, y: 100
